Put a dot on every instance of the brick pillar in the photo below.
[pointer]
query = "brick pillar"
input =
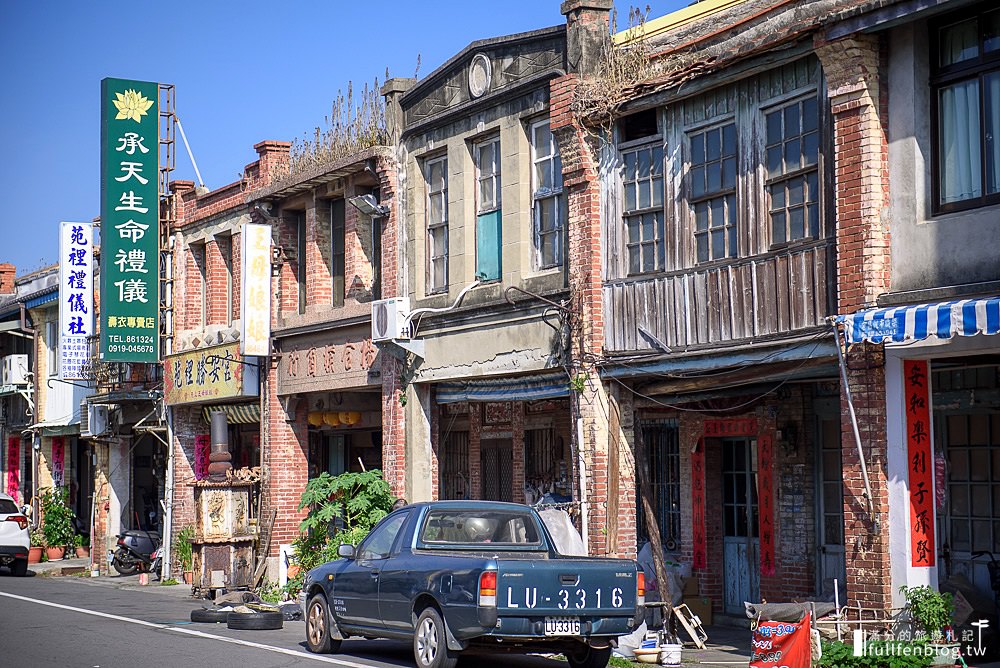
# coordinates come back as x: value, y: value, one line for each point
x: 581, y: 185
x: 7, y: 273
x: 216, y: 283
x: 858, y: 101
x: 187, y: 424
x: 274, y: 160
x: 286, y: 462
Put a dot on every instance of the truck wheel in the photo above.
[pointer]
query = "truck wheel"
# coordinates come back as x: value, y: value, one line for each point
x: 318, y: 623
x: 589, y: 657
x: 430, y: 642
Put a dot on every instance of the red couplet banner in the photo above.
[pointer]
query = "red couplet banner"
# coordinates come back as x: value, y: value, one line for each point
x: 765, y: 463
x: 919, y: 461
x: 14, y: 466
x: 699, y: 543
x: 202, y: 448
x: 781, y: 645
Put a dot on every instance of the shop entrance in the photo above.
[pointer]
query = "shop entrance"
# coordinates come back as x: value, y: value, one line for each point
x: 741, y: 544
x: 497, y: 457
x: 830, y: 506
x: 148, y: 468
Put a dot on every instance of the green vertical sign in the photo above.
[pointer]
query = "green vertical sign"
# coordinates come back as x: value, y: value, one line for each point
x: 130, y: 221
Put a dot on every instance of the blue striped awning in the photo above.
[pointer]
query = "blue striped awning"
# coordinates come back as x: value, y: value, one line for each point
x: 966, y: 317
x: 35, y: 302
x: 525, y: 388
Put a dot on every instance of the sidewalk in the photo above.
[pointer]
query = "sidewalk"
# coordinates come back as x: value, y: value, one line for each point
x: 726, y: 646
x: 80, y: 568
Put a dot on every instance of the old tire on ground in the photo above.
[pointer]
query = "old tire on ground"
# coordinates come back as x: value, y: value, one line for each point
x: 209, y: 615
x: 255, y: 621
x: 589, y: 657
x: 318, y: 626
x: 19, y: 568
x: 430, y: 642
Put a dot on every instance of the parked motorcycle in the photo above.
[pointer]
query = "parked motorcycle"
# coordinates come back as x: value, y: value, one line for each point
x: 137, y: 552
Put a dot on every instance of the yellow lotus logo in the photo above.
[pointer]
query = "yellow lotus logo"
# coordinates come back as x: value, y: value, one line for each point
x: 132, y: 104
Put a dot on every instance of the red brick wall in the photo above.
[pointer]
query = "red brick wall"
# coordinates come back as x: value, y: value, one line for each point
x: 187, y: 424
x: 286, y: 462
x: 319, y: 289
x: 855, y: 70
x: 7, y: 273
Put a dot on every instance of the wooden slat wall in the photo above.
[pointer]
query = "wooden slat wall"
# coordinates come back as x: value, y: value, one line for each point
x: 774, y: 294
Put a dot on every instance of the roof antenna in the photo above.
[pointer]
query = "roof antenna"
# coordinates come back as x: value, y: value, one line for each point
x: 201, y: 189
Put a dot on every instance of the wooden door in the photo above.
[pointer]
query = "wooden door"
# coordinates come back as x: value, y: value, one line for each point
x: 741, y: 544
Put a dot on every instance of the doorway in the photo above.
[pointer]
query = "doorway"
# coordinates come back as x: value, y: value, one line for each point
x: 830, y: 507
x: 741, y: 543
x: 497, y: 465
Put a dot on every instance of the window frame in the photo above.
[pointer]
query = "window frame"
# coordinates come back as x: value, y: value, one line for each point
x: 731, y: 230
x: 436, y: 284
x: 495, y: 176
x: 785, y: 177
x: 942, y: 77
x: 650, y: 143
x: 540, y: 195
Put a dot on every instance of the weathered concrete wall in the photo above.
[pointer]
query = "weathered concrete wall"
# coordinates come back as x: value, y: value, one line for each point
x: 928, y: 251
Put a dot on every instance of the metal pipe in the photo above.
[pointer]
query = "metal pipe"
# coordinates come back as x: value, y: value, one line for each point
x: 177, y: 119
x: 582, y: 474
x: 854, y: 425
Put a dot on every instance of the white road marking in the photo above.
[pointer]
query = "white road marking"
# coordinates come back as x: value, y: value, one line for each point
x: 192, y: 632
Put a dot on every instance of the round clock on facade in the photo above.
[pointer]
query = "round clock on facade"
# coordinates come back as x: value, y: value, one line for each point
x: 480, y: 74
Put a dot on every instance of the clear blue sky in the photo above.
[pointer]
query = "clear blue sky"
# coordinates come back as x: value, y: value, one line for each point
x: 243, y: 71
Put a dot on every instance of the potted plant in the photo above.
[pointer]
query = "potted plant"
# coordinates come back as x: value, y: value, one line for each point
x: 82, y: 545
x: 931, y: 613
x: 57, y: 522
x: 37, y: 546
x: 185, y: 552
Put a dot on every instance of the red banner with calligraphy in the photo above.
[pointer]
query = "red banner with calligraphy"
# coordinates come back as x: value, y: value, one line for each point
x: 202, y: 448
x: 731, y: 427
x: 765, y: 503
x: 58, y: 461
x: 919, y: 461
x: 699, y: 542
x: 14, y: 466
x: 781, y: 645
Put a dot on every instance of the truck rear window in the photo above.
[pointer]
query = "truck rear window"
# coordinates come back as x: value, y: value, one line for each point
x: 475, y: 527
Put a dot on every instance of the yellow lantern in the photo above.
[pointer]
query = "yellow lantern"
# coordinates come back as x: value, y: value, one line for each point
x: 315, y: 418
x: 349, y: 417
x: 331, y: 418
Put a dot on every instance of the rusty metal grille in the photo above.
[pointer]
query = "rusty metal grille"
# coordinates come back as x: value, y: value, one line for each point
x: 453, y: 466
x: 497, y: 458
x: 541, y: 459
x: 663, y: 448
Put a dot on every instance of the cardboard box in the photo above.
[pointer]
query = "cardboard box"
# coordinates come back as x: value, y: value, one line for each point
x: 691, y: 587
x: 701, y: 606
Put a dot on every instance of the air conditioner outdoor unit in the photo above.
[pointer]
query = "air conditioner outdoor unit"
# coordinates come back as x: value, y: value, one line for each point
x: 14, y: 370
x: 390, y: 319
x: 96, y: 419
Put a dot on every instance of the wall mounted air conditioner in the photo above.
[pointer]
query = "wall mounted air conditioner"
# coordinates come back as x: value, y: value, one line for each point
x: 93, y: 419
x: 390, y: 319
x: 14, y: 370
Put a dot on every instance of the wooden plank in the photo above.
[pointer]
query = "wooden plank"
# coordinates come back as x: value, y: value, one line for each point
x: 765, y: 292
x: 822, y: 284
x: 782, y: 290
x: 726, y: 298
x: 698, y: 314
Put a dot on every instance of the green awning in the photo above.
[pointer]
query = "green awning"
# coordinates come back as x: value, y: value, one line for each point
x: 235, y: 413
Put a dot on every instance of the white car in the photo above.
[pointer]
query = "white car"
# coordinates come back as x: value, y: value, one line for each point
x: 14, y: 540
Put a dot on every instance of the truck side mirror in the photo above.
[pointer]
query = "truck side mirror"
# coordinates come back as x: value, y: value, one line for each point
x: 346, y: 551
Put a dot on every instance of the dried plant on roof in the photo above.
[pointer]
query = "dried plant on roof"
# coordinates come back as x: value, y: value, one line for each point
x: 621, y: 67
x: 352, y: 126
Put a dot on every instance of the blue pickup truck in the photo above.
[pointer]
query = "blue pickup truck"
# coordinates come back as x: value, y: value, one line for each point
x: 459, y: 575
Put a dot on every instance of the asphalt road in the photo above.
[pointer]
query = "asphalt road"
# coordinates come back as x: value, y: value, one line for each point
x: 69, y: 622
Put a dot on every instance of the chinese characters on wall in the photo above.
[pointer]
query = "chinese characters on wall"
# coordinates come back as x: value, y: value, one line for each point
x: 76, y: 297
x: 130, y: 210
x: 919, y: 461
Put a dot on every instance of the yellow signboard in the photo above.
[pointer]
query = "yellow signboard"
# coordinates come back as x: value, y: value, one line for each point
x: 208, y: 374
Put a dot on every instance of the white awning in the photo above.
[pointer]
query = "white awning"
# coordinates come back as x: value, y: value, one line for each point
x: 966, y: 317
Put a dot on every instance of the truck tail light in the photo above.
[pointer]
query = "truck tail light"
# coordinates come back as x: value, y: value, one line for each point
x: 488, y: 589
x: 640, y: 588
x: 22, y: 521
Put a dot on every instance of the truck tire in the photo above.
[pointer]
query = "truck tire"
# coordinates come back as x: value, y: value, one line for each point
x: 430, y: 641
x: 255, y: 621
x: 318, y: 626
x: 589, y: 657
x: 209, y: 615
